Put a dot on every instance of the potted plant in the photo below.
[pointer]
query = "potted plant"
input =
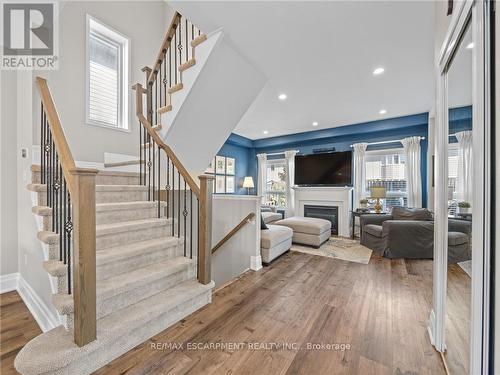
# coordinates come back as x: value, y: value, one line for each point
x: 463, y: 207
x: 363, y: 203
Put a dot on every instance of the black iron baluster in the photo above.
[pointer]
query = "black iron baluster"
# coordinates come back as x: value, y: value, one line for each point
x: 61, y: 204
x: 175, y: 55
x: 187, y: 48
x: 173, y: 199
x: 191, y: 224
x: 170, y: 65
x: 149, y: 167
x: 180, y: 44
x: 69, y: 229
x: 154, y: 170
x: 159, y: 181
x: 42, y: 129
x: 184, y: 213
x: 179, y: 204
x: 197, y: 232
x: 164, y: 83
x: 64, y: 218
x: 49, y: 167
x: 140, y: 153
x: 167, y: 187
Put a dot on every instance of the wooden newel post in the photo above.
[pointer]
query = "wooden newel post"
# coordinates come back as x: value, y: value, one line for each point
x: 205, y: 230
x: 84, y: 253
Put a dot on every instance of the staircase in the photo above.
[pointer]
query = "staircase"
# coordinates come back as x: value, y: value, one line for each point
x: 129, y: 253
x: 144, y: 283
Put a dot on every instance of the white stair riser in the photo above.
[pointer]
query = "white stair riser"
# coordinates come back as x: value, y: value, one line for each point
x: 111, y: 269
x: 103, y: 179
x: 119, y: 216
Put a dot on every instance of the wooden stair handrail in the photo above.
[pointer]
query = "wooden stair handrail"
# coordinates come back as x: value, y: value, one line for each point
x: 81, y: 186
x: 62, y: 148
x: 233, y: 231
x: 159, y: 141
x: 165, y: 45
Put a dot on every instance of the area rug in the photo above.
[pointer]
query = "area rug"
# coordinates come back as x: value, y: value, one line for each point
x: 466, y: 266
x: 339, y: 248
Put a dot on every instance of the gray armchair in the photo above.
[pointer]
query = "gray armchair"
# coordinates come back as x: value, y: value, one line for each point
x: 409, y: 233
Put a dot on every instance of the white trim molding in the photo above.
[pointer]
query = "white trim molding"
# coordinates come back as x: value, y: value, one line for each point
x: 473, y: 14
x: 45, y: 318
x: 9, y: 282
x: 255, y: 262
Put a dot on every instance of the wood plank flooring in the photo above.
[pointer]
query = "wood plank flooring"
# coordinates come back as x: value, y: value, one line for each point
x: 287, y: 314
x: 17, y: 327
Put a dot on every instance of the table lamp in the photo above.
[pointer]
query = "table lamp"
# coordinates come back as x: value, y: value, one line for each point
x: 248, y: 183
x: 377, y: 192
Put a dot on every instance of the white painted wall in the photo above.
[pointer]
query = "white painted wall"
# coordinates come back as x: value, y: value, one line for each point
x: 8, y: 173
x: 145, y: 24
x: 241, y: 252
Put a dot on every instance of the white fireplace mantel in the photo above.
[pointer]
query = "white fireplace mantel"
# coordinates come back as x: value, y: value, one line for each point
x: 340, y: 197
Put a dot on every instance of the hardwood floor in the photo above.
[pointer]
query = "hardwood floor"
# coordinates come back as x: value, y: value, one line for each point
x: 457, y: 322
x: 17, y: 327
x: 376, y: 314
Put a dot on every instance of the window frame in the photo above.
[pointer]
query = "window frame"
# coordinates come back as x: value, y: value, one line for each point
x: 112, y: 36
x: 277, y: 162
x: 386, y: 152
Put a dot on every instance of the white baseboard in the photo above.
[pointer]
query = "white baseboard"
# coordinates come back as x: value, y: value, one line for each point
x: 255, y: 262
x: 9, y: 282
x: 45, y: 318
x: 431, y: 326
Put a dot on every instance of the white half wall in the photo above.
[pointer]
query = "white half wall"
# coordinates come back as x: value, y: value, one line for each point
x: 242, y: 251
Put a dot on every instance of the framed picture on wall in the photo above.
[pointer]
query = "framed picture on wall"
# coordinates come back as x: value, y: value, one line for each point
x: 230, y: 184
x: 220, y: 165
x: 220, y: 184
x: 230, y: 166
x: 210, y: 169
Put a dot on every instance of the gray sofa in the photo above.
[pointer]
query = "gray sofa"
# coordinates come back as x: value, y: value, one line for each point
x: 409, y: 233
x: 270, y: 214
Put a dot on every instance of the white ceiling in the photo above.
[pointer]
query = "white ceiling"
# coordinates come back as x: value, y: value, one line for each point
x: 322, y: 54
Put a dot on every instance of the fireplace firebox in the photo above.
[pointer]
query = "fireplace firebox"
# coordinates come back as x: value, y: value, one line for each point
x: 330, y: 213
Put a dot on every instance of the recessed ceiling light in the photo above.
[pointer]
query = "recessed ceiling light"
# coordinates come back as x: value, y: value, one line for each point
x: 315, y: 123
x: 265, y: 132
x: 382, y: 111
x: 282, y: 97
x: 470, y: 45
x: 378, y: 71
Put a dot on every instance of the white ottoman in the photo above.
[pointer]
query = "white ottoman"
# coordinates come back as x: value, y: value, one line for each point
x: 274, y: 241
x: 307, y: 230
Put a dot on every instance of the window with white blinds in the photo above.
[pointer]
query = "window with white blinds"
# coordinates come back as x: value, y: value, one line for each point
x: 107, y: 72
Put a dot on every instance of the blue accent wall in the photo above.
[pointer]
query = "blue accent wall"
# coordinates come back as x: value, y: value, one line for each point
x: 244, y: 150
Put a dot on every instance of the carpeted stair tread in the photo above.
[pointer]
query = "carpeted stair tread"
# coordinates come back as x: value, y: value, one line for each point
x: 126, y: 226
x: 42, y: 210
x: 116, y: 285
x: 116, y: 333
x: 55, y: 268
x: 120, y: 188
x: 115, y: 206
x: 115, y: 254
x: 52, y: 238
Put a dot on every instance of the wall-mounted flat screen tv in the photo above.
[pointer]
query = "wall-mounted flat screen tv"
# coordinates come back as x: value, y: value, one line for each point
x: 329, y: 169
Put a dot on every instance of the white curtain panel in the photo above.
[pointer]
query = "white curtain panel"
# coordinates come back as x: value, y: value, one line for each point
x: 465, y: 176
x: 411, y: 146
x: 359, y: 171
x: 290, y: 181
x: 261, y: 178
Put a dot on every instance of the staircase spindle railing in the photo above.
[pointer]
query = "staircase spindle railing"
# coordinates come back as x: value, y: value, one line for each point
x: 70, y: 194
x: 178, y: 196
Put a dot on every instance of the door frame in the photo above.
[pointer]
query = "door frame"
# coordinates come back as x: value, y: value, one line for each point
x: 476, y: 14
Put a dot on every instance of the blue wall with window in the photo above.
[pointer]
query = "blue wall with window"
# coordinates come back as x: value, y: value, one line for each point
x: 341, y: 138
